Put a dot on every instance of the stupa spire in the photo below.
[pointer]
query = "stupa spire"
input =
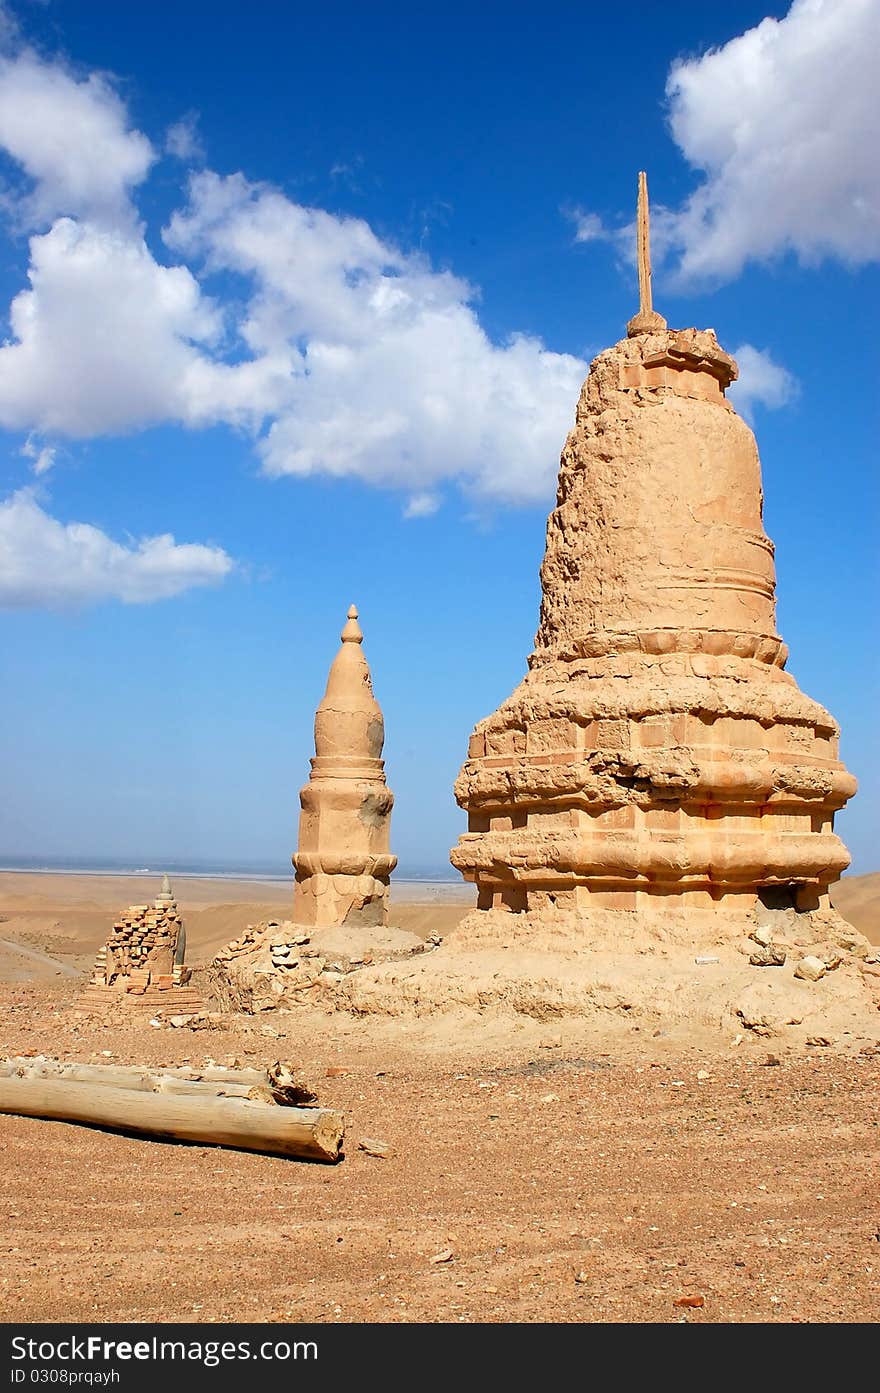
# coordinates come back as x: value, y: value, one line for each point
x: 352, y: 631
x: 166, y: 894
x: 647, y: 321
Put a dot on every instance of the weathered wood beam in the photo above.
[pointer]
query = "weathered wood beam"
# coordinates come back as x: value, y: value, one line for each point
x: 307, y: 1133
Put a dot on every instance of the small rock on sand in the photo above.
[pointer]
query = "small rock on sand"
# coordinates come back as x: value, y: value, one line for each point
x: 810, y: 969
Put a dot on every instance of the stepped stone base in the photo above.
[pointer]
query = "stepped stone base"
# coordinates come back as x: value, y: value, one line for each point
x: 645, y: 972
x: 285, y: 964
x: 174, y: 1001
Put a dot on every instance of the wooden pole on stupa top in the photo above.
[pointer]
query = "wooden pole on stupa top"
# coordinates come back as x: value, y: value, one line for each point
x: 646, y: 321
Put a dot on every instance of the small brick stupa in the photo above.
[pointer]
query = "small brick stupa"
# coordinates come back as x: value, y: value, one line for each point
x: 144, y: 956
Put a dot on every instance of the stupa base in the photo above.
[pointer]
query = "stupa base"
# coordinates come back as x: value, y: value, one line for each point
x: 289, y: 964
x: 678, y: 971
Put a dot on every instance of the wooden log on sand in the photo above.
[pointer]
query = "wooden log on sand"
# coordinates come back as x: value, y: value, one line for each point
x: 307, y: 1133
x: 276, y: 1084
x: 133, y: 1079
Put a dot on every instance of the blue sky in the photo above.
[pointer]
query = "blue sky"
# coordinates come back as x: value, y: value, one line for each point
x: 296, y: 308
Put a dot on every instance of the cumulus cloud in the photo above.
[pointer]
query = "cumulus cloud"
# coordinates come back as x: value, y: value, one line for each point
x: 42, y: 457
x: 72, y: 141
x: 182, y: 140
x: 391, y: 377
x: 104, y: 338
x: 44, y: 562
x: 421, y: 505
x: 761, y: 382
x: 344, y: 355
x: 588, y: 227
x: 782, y: 123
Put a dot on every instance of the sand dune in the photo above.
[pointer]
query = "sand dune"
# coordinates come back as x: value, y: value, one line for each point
x: 857, y: 898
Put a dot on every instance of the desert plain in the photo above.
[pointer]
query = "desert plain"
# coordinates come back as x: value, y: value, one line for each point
x: 600, y: 1169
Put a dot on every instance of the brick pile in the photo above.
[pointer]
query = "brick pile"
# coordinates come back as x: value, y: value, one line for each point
x: 140, y: 951
x: 281, y: 963
x: 267, y: 965
x: 141, y: 957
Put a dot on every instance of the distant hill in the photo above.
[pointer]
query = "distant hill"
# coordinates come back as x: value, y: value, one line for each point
x: 857, y: 898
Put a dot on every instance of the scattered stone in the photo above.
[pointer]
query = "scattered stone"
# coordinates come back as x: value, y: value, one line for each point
x: 771, y: 1062
x: 821, y: 1041
x: 705, y: 960
x: 759, y: 1024
x: 810, y: 969
x: 762, y: 935
x: 177, y: 1022
x: 690, y: 1302
x: 381, y: 1149
x: 446, y: 1256
x: 768, y: 956
x: 335, y: 1071
x: 582, y: 1277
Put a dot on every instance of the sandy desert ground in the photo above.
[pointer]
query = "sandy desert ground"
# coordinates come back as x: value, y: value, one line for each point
x: 570, y: 1172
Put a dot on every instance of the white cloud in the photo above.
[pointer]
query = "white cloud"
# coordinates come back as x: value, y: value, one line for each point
x: 344, y: 355
x: 71, y: 138
x: 42, y: 456
x: 391, y: 376
x: 421, y: 505
x: 782, y: 122
x: 104, y: 339
x: 44, y: 562
x: 182, y: 140
x: 588, y: 227
x: 761, y: 382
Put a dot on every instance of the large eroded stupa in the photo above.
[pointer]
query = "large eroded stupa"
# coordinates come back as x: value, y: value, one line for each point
x: 650, y: 814
x: 657, y: 756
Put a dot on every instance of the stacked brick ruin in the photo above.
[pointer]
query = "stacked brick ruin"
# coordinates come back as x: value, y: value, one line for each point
x: 145, y: 951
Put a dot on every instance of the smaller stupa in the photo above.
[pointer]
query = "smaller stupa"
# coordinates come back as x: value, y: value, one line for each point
x: 343, y: 863
x: 144, y: 955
